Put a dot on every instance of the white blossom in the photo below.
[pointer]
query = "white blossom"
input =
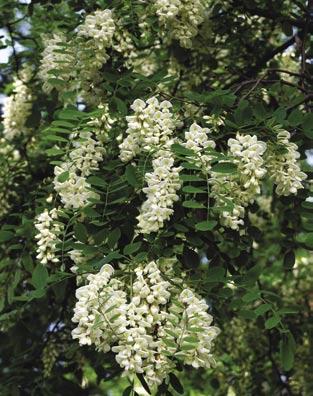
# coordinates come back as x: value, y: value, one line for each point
x: 147, y: 322
x: 75, y: 191
x: 161, y: 193
x: 282, y: 165
x: 49, y: 230
x: 55, y: 57
x: 181, y: 18
x: 17, y: 108
x: 97, y: 304
x: 150, y: 128
x: 196, y: 139
x: 235, y: 192
x: 98, y: 26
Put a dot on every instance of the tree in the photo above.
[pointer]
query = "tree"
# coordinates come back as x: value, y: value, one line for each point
x: 156, y: 218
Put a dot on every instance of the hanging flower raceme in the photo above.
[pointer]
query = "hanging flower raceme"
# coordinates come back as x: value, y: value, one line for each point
x: 181, y: 18
x: 76, y: 62
x: 84, y: 158
x: 163, y: 184
x: 10, y: 165
x: 48, y: 236
x: 237, y: 191
x: 17, y: 108
x: 148, y: 322
x: 282, y: 165
x: 149, y: 129
x: 98, y: 28
x: 196, y: 139
x: 55, y: 57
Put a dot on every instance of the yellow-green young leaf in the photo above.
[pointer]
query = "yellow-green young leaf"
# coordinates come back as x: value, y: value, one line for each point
x: 206, y: 225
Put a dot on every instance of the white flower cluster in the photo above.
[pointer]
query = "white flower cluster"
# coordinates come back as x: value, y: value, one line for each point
x: 99, y: 311
x: 282, y: 165
x: 99, y: 28
x: 146, y: 324
x: 161, y: 193
x: 75, y: 191
x: 149, y: 129
x: 48, y: 236
x: 181, y: 18
x: 242, y: 188
x: 17, y: 108
x: 55, y: 57
x: 9, y: 160
x: 76, y: 62
x: 196, y: 139
x: 189, y: 326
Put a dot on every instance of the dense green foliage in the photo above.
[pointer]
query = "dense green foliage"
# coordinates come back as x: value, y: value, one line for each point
x: 248, y: 67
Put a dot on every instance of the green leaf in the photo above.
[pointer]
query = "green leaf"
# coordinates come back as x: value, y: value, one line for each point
x: 6, y: 235
x: 251, y: 296
x: 193, y: 190
x: 96, y: 181
x: 224, y: 167
x: 272, y: 322
x: 111, y: 256
x: 261, y: 309
x: 190, y: 178
x: 206, y: 225
x: 113, y: 237
x: 179, y: 149
x: 175, y: 383
x: 63, y: 177
x: 132, y: 248
x: 215, y: 274
x: 40, y: 276
x: 80, y: 232
x: 287, y: 351
x: 127, y: 391
x: 308, y: 125
x: 193, y: 205
x: 295, y: 118
x: 131, y: 176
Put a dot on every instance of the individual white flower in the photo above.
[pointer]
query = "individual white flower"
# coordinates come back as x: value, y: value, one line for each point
x: 48, y: 236
x: 282, y: 165
x: 17, y: 108
x: 149, y: 129
x: 161, y: 193
x: 196, y: 139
